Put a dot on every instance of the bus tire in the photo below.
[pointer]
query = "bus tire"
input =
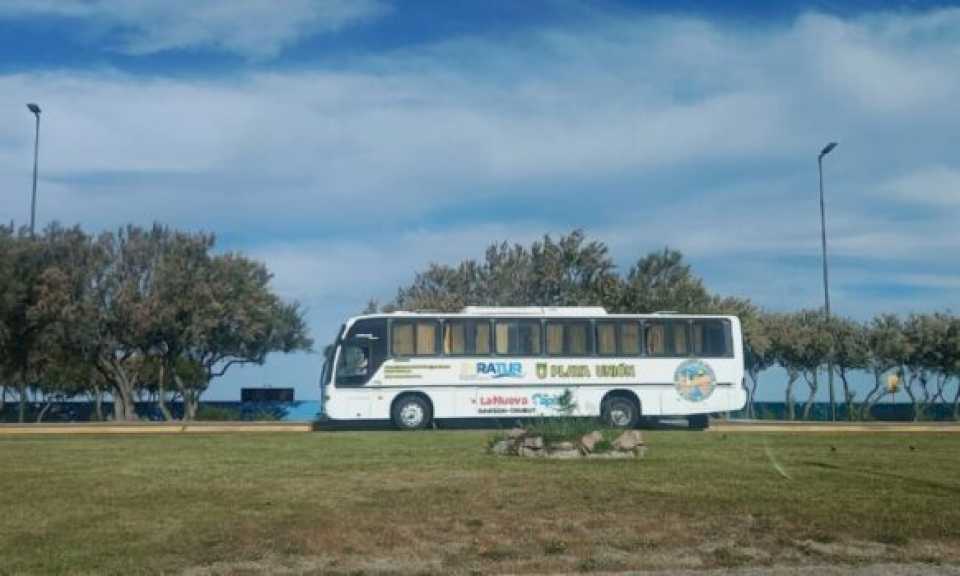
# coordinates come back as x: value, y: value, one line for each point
x: 699, y: 421
x: 411, y: 412
x: 620, y: 411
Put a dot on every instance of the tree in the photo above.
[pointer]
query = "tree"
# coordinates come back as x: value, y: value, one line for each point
x: 8, y: 281
x: 570, y: 271
x: 758, y: 351
x: 851, y: 351
x: 107, y: 321
x: 925, y: 334
x: 801, y: 344
x: 210, y: 313
x: 887, y: 350
x: 661, y: 281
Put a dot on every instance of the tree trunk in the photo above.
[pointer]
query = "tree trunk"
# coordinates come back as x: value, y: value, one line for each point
x: 908, y: 388
x: 22, y: 415
x: 752, y: 400
x: 43, y: 412
x: 122, y: 390
x: 956, y: 402
x: 869, y: 401
x: 123, y: 404
x: 791, y: 380
x: 191, y: 403
x: 98, y: 403
x: 161, y: 394
x: 847, y: 397
x: 813, y: 384
x: 190, y: 395
x: 3, y: 400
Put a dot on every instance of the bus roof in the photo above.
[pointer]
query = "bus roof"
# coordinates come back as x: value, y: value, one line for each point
x: 536, y: 312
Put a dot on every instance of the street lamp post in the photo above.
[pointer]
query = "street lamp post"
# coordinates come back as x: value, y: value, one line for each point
x: 36, y: 154
x: 826, y: 285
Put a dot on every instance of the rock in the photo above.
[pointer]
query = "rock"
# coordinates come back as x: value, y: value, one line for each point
x: 516, y: 433
x: 535, y: 442
x: 502, y: 448
x: 563, y: 446
x: 530, y: 452
x: 564, y: 454
x: 590, y: 440
x: 628, y: 440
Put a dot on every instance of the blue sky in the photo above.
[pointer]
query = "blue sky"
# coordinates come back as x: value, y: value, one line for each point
x: 349, y: 143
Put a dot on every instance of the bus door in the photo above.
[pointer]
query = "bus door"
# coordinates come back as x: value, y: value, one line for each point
x: 362, y: 352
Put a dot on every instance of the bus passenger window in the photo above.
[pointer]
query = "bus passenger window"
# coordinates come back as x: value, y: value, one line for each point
x: 630, y: 339
x: 466, y: 337
x: 454, y: 338
x: 426, y: 338
x: 710, y: 338
x: 482, y: 336
x: 655, y: 337
x: 402, y: 339
x: 578, y: 339
x: 681, y: 339
x: 518, y: 337
x: 529, y: 339
x: 554, y: 339
x: 606, y: 339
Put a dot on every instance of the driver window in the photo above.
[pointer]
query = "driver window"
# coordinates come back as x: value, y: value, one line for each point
x: 354, y: 361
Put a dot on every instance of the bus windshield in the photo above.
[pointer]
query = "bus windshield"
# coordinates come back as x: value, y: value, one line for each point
x: 328, y: 353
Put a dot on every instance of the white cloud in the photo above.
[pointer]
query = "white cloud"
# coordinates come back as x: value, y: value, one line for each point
x: 934, y: 185
x: 252, y: 28
x: 647, y: 132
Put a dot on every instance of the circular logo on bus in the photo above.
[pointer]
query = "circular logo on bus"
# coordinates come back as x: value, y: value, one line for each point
x: 694, y: 380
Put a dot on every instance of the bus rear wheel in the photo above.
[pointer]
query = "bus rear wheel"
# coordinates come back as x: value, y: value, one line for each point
x: 620, y: 412
x: 411, y: 413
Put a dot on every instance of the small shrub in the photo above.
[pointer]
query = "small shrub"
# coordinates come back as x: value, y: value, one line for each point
x: 263, y: 415
x: 218, y: 414
x: 555, y: 547
x: 603, y: 446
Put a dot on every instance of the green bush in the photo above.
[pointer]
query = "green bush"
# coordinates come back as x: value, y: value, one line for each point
x: 218, y: 414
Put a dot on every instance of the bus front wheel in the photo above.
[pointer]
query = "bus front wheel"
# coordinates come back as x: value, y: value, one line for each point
x: 620, y: 412
x: 411, y: 413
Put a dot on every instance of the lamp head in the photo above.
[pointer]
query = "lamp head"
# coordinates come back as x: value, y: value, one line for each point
x: 34, y: 108
x: 826, y: 149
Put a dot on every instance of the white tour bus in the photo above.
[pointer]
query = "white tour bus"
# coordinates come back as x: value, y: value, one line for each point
x: 517, y: 362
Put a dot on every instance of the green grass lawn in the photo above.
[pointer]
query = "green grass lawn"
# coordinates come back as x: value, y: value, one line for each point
x: 435, y: 502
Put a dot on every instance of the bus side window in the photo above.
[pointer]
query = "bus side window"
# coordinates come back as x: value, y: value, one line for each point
x: 606, y: 339
x: 711, y: 338
x: 655, y: 336
x: 680, y: 338
x: 518, y: 337
x: 401, y: 339
x: 420, y: 338
x: 466, y: 337
x: 427, y: 333
x: 629, y: 338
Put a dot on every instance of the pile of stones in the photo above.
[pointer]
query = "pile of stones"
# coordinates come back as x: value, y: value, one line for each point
x: 523, y: 442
